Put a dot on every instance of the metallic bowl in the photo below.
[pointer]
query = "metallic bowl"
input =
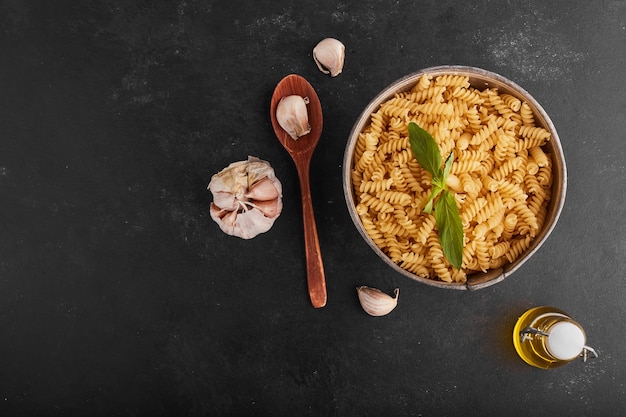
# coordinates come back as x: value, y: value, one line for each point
x: 479, y: 79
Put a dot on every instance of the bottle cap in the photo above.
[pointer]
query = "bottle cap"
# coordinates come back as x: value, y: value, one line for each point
x: 565, y: 340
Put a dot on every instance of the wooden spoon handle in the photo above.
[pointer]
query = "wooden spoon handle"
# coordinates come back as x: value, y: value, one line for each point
x: 314, y: 265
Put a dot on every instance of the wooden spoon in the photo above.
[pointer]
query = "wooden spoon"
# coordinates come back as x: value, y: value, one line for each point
x: 301, y: 151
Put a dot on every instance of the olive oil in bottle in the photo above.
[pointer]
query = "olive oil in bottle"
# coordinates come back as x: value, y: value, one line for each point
x: 546, y: 337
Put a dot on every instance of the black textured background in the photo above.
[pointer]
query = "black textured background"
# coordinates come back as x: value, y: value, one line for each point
x: 119, y: 296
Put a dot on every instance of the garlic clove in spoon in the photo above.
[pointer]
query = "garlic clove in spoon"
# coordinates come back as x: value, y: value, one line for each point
x: 292, y: 115
x: 329, y: 55
x: 375, y: 302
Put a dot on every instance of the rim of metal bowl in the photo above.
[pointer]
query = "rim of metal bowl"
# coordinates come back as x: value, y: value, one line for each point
x: 479, y: 78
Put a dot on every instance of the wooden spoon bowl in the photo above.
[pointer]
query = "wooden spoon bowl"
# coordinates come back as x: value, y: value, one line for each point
x: 301, y: 151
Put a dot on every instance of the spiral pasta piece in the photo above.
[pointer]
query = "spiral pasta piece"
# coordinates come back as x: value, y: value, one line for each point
x: 510, y: 221
x: 423, y: 83
x: 500, y: 106
x: 540, y: 158
x: 486, y: 131
x: 544, y: 175
x: 513, y: 102
x: 506, y: 168
x: 394, y: 145
x: 376, y: 186
x: 518, y: 246
x: 465, y: 166
x: 451, y: 80
x: 428, y: 225
x: 468, y: 96
x: 376, y: 204
x: 395, y: 197
x: 526, y: 114
x: 392, y: 229
x: 531, y: 132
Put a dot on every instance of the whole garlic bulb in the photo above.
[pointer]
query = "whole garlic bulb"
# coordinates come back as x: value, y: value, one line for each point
x: 329, y: 55
x: 375, y: 302
x: 292, y: 115
x: 247, y: 198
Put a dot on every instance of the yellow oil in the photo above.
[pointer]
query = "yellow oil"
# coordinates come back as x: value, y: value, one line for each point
x: 533, y: 348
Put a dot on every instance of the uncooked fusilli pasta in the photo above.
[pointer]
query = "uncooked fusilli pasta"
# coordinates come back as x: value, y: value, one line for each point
x: 501, y: 176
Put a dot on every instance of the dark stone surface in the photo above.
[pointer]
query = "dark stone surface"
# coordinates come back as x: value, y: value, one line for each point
x: 120, y: 296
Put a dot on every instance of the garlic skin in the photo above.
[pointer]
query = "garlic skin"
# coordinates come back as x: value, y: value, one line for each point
x: 247, y: 198
x: 292, y: 115
x: 375, y: 302
x: 329, y: 55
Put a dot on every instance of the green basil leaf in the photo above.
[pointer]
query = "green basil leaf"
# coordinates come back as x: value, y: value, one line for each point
x: 448, y: 166
x: 428, y: 208
x: 450, y: 228
x: 433, y: 194
x: 447, y: 215
x: 425, y: 149
x: 438, y: 183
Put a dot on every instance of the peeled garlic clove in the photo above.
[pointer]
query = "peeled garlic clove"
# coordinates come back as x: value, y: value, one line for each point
x: 247, y: 198
x: 292, y: 115
x: 375, y: 302
x: 329, y: 55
